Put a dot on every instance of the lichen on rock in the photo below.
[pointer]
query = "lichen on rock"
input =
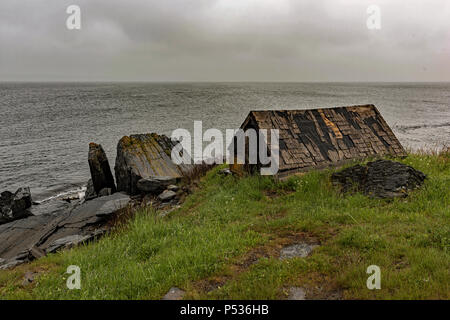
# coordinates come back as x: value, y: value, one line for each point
x: 144, y: 156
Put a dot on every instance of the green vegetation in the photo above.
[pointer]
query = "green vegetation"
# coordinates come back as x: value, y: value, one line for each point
x: 223, y: 243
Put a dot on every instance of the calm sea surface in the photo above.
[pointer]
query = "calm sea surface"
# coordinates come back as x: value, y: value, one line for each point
x: 45, y: 128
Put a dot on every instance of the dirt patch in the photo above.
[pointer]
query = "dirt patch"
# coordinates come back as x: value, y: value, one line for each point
x: 241, y: 264
x: 316, y: 287
x: 273, y: 216
x: 210, y: 284
x: 401, y: 262
x: 24, y: 276
x: 296, y: 293
x: 274, y: 194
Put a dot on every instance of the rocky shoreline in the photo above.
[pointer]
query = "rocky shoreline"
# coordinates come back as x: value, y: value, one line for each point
x: 144, y: 174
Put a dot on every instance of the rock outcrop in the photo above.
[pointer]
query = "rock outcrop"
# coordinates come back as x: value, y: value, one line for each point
x: 155, y: 185
x: 382, y: 179
x: 100, y: 171
x: 14, y: 206
x: 167, y: 195
x: 144, y: 156
x: 27, y: 239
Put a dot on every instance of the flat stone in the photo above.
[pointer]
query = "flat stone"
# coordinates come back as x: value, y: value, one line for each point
x: 173, y: 187
x: 174, y: 294
x: 20, y: 235
x: 47, y: 233
x: 155, y: 185
x: 67, y: 242
x: 167, y: 195
x: 299, y: 250
x: 297, y: 293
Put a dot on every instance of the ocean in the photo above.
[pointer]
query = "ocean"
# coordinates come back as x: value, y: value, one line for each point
x: 45, y: 128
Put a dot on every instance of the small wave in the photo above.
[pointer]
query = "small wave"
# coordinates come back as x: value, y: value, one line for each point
x: 420, y: 126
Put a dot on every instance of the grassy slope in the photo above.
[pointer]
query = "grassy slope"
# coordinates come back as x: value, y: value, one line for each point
x: 223, y: 243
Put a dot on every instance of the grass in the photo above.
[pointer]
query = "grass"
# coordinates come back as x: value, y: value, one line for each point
x: 223, y: 243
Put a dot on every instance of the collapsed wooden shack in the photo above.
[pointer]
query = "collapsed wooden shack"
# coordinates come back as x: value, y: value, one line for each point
x: 318, y: 138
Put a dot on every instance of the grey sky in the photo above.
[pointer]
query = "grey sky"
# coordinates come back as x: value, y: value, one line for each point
x: 225, y: 40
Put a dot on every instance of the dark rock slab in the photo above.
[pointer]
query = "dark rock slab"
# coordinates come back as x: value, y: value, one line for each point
x: 14, y: 206
x: 27, y: 239
x: 144, y: 156
x: 83, y: 220
x: 155, y: 185
x: 21, y: 235
x: 99, y: 167
x: 381, y: 179
x: 72, y: 241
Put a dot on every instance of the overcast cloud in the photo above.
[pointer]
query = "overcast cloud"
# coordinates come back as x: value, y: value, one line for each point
x: 225, y: 40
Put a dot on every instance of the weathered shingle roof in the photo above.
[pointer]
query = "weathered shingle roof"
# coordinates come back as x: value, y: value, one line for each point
x: 323, y: 137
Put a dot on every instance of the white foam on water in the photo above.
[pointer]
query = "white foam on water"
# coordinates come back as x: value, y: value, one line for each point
x: 80, y: 192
